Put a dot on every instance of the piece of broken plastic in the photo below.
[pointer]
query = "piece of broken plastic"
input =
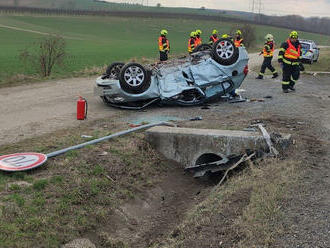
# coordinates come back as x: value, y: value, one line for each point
x: 197, y: 118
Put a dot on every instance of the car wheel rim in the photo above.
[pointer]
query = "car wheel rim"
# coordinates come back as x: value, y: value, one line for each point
x: 115, y: 71
x: 225, y: 49
x: 134, y: 76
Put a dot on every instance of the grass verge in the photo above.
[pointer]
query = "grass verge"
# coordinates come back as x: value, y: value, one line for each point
x: 73, y: 194
x: 245, y: 212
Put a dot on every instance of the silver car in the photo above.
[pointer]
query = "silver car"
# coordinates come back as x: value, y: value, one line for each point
x: 310, y: 51
x: 207, y: 74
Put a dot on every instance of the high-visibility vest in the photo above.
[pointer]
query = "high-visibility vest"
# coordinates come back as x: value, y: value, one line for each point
x: 198, y: 41
x: 213, y: 39
x: 191, y: 44
x: 163, y: 44
x: 292, y: 52
x: 238, y: 42
x: 271, y: 52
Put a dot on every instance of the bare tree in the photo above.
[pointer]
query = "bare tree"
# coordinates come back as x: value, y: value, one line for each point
x: 45, y: 54
x: 248, y: 33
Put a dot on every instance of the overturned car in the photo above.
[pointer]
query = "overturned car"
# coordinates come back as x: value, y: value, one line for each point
x: 209, y: 73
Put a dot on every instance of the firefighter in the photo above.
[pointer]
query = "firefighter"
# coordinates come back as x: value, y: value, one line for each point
x: 289, y: 58
x: 213, y: 37
x: 192, y: 42
x: 163, y: 45
x: 268, y: 53
x: 198, y: 38
x: 238, y: 38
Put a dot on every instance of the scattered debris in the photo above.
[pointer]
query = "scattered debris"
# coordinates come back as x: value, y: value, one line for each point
x: 268, y: 140
x: 244, y: 158
x: 197, y: 118
x: 256, y: 100
x: 269, y: 97
x: 237, y: 100
x: 133, y: 125
x: 103, y: 153
x: 86, y: 136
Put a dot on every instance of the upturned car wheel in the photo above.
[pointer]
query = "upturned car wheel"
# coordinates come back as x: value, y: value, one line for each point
x: 134, y: 78
x: 113, y: 70
x: 225, y: 52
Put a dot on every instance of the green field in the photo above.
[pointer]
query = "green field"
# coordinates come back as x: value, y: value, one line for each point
x: 97, y: 41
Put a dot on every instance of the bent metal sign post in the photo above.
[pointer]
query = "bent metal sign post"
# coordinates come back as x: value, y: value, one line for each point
x: 22, y: 161
x: 30, y: 160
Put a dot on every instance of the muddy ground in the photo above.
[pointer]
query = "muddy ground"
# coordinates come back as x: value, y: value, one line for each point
x: 32, y: 110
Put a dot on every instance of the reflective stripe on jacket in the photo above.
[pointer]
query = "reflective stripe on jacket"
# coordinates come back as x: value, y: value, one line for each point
x: 163, y: 44
x: 191, y: 44
x: 268, y: 50
x: 290, y: 53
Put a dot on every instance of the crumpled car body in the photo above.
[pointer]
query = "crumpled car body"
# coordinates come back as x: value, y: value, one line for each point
x: 191, y: 80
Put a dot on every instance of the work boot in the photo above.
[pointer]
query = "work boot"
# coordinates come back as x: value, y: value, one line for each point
x: 291, y: 87
x: 259, y: 77
x: 275, y: 75
x: 285, y: 91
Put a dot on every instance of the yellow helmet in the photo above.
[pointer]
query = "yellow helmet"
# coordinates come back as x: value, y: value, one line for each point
x: 238, y: 32
x: 294, y: 35
x: 198, y: 32
x: 225, y: 36
x: 193, y: 34
x: 269, y: 37
x: 214, y: 31
x: 163, y: 32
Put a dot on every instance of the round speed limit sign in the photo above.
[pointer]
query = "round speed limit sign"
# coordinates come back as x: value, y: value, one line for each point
x: 22, y: 161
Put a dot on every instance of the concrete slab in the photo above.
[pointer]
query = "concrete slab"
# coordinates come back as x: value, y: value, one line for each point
x: 187, y: 145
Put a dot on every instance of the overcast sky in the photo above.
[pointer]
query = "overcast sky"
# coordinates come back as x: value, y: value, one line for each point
x: 275, y: 7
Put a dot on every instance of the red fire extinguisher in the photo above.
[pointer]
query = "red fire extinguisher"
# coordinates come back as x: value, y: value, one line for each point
x: 82, y: 107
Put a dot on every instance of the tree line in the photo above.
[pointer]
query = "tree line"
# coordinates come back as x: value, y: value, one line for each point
x: 314, y: 24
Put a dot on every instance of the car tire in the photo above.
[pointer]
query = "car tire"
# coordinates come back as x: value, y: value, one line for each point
x: 134, y: 79
x: 202, y: 47
x: 113, y: 70
x: 225, y: 52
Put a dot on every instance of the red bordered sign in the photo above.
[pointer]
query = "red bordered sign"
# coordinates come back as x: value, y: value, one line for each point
x: 21, y: 161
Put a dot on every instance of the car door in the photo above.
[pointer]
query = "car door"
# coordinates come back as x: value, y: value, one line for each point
x: 315, y: 52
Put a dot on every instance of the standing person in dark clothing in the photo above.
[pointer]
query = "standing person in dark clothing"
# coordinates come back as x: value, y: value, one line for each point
x: 192, y: 42
x: 268, y: 53
x: 163, y: 45
x: 213, y: 37
x: 289, y: 58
